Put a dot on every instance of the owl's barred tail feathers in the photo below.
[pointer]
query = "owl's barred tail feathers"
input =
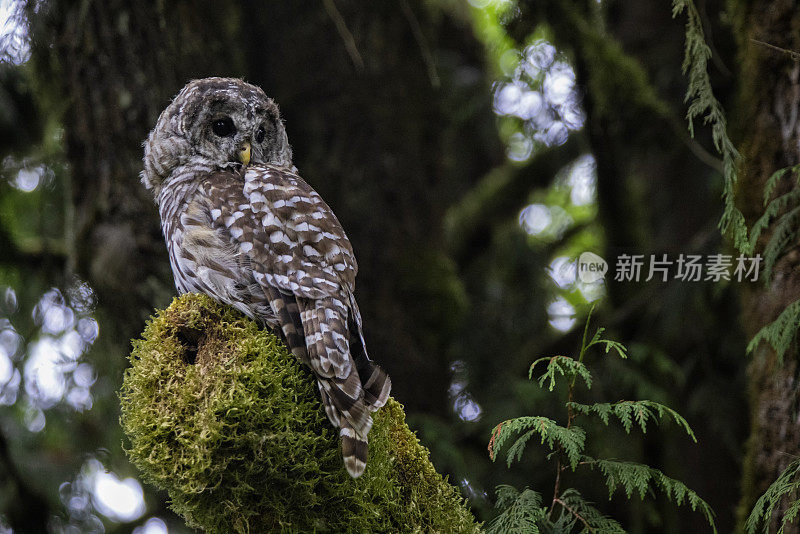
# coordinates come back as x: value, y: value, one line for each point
x: 349, y: 403
x: 375, y: 383
x: 325, y: 334
x: 376, y: 386
x: 355, y: 450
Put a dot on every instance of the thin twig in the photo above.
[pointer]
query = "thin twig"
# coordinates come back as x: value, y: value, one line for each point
x: 707, y: 28
x: 344, y: 33
x: 791, y: 53
x: 557, y: 485
x: 696, y: 148
x: 578, y: 516
x: 560, y: 467
x: 570, y: 417
x: 416, y: 29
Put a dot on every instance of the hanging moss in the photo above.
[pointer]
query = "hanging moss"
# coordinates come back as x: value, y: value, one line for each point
x: 224, y: 419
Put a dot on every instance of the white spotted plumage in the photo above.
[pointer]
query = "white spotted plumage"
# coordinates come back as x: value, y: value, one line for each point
x: 258, y: 237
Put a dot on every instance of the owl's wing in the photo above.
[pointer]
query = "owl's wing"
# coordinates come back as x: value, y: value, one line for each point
x: 295, y: 241
x: 299, y: 254
x: 295, y: 244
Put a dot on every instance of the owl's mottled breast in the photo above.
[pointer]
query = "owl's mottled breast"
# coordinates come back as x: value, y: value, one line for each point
x: 205, y: 257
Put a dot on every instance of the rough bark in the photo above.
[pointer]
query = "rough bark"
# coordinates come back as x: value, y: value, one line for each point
x: 769, y: 128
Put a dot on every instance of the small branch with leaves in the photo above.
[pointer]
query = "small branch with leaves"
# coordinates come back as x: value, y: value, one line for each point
x: 781, y: 500
x: 523, y: 511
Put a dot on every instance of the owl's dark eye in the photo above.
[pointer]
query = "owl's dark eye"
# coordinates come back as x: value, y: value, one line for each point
x: 260, y: 134
x: 223, y: 127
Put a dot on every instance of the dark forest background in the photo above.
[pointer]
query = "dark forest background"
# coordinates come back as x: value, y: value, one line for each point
x: 472, y: 150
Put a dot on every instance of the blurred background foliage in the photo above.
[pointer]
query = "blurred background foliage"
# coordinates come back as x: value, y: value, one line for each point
x: 472, y: 150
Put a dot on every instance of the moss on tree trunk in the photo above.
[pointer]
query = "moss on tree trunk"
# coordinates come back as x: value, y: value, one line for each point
x: 222, y: 416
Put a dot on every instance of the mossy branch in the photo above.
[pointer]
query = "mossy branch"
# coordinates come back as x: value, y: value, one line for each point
x: 224, y: 419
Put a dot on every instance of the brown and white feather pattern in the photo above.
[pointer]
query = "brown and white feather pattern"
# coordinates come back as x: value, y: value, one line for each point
x: 265, y: 242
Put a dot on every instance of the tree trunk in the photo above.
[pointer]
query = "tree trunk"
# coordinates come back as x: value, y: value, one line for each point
x: 769, y: 129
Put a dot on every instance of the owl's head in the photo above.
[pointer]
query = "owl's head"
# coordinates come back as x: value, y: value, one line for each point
x: 215, y: 122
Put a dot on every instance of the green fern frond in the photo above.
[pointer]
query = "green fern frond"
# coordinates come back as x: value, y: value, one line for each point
x: 570, y: 440
x: 521, y: 511
x: 563, y: 524
x: 571, y: 368
x: 787, y: 484
x: 591, y: 518
x: 565, y: 366
x: 773, y: 207
x: 703, y: 103
x: 790, y: 515
x: 642, y: 479
x: 779, y: 333
x: 629, y: 412
x: 772, y: 183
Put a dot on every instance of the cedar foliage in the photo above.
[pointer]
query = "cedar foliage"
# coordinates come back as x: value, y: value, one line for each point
x: 779, y: 504
x: 764, y: 511
x: 703, y: 103
x: 523, y: 511
x: 782, y: 215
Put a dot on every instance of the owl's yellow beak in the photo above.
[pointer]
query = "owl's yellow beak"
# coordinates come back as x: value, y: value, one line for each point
x: 244, y: 153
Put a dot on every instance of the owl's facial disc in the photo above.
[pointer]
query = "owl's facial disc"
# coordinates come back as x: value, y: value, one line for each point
x: 212, y: 122
x: 234, y: 132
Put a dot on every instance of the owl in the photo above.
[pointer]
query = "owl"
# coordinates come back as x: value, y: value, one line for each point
x: 244, y: 228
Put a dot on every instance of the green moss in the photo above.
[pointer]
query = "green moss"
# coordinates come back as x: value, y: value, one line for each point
x: 224, y: 419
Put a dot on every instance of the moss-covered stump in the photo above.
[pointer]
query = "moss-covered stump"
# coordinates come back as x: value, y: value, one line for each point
x: 223, y: 418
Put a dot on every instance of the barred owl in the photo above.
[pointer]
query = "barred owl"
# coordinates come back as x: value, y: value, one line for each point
x: 243, y: 227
